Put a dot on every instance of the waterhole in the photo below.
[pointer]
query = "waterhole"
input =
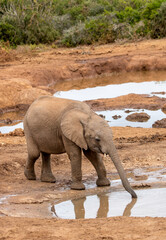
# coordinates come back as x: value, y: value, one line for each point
x: 153, y: 88
x: 7, y: 129
x: 123, y: 122
x: 152, y: 84
x: 150, y: 202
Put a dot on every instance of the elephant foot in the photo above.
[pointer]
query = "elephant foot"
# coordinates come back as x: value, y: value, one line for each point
x: 29, y: 174
x: 48, y: 178
x: 77, y: 186
x: 102, y: 182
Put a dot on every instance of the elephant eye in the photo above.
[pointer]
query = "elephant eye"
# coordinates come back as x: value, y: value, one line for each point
x: 97, y: 139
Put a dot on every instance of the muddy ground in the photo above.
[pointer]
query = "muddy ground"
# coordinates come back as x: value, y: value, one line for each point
x: 25, y: 75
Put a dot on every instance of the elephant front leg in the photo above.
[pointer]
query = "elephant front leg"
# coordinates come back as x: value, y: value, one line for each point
x: 76, y: 172
x: 97, y: 162
x: 74, y: 154
x: 46, y: 173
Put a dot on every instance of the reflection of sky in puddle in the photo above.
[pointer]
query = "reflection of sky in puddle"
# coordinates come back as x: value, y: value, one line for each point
x: 150, y: 202
x: 114, y: 90
x: 7, y: 129
x: 154, y: 116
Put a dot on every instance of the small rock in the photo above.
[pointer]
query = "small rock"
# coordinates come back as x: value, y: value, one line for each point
x: 116, y: 117
x: 128, y: 111
x: 164, y: 108
x: 138, y: 117
x: 160, y: 123
x: 8, y: 121
x: 102, y: 116
x: 162, y: 93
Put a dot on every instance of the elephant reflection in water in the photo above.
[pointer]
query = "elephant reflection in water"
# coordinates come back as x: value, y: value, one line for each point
x: 79, y: 208
x: 104, y: 208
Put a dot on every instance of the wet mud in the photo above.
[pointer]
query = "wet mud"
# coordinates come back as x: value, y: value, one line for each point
x: 95, y: 202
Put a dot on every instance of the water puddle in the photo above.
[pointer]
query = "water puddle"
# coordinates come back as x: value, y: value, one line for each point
x: 150, y: 202
x: 10, y: 121
x: 114, y: 202
x: 7, y: 129
x: 120, y: 120
x: 114, y: 78
x: 153, y: 88
x: 108, y: 87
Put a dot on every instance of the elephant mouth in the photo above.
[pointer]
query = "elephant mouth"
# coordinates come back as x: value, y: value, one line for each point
x: 98, y: 150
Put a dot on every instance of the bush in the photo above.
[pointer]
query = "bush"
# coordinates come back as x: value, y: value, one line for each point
x: 73, y: 22
x: 99, y: 29
x: 122, y: 31
x: 74, y: 36
x: 27, y: 22
x: 7, y: 32
x: 61, y: 23
x: 129, y: 15
x: 151, y: 8
x: 158, y: 24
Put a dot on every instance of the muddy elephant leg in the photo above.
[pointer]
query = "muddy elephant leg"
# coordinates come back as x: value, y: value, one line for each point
x: 46, y: 173
x: 29, y: 170
x: 97, y: 162
x: 33, y: 155
x: 74, y: 154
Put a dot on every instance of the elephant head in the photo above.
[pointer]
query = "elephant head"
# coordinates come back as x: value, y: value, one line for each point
x: 90, y: 131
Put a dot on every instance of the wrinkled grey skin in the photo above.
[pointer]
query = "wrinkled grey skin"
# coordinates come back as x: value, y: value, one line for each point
x: 54, y: 126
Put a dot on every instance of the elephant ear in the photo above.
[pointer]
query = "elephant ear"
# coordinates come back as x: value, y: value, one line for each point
x: 72, y: 127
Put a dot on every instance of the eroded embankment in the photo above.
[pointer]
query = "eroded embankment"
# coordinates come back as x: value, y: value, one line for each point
x: 132, y: 101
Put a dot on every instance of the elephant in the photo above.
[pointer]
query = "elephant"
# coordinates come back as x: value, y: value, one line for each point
x: 55, y: 125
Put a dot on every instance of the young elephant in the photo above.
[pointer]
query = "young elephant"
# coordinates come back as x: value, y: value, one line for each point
x: 54, y: 125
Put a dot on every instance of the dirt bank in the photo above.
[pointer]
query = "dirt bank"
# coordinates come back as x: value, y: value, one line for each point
x: 133, y: 101
x: 33, y: 73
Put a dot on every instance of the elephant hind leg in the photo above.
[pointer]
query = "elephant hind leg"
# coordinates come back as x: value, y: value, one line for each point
x: 33, y: 155
x: 29, y: 170
x: 97, y: 162
x: 46, y: 172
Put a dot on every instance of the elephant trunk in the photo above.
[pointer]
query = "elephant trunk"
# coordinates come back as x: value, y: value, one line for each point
x: 114, y: 156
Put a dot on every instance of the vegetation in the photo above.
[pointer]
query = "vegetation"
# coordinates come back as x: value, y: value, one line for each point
x: 74, y: 22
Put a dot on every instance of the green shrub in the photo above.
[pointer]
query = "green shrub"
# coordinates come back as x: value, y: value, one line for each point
x: 61, y: 23
x: 158, y: 25
x: 7, y: 32
x: 129, y: 15
x: 98, y: 29
x: 27, y: 22
x: 73, y: 22
x: 151, y: 8
x: 95, y: 9
x: 74, y: 36
x: 122, y: 31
